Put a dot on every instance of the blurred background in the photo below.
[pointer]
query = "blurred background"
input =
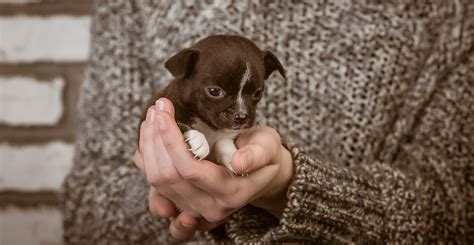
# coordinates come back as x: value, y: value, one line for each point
x: 44, y: 46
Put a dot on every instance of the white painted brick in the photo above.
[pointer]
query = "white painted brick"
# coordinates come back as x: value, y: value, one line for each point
x: 54, y: 38
x: 30, y: 226
x: 26, y: 101
x: 31, y: 168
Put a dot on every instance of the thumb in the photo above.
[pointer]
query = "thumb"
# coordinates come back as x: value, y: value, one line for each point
x: 250, y: 158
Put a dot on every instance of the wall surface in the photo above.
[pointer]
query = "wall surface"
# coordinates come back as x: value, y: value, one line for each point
x: 44, y: 45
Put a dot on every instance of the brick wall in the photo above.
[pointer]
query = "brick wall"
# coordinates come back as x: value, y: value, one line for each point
x: 44, y: 45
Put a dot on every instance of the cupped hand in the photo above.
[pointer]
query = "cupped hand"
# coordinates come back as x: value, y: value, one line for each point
x: 207, y: 193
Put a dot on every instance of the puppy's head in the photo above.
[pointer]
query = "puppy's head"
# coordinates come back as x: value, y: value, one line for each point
x: 222, y: 79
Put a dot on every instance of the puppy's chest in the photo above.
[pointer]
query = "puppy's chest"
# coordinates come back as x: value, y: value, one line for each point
x: 212, y: 135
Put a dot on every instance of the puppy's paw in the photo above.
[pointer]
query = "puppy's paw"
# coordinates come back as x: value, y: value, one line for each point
x: 225, y: 149
x: 198, y: 143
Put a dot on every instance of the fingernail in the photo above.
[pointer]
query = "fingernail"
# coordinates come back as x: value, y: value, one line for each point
x: 150, y: 115
x: 161, y: 122
x: 187, y: 225
x: 160, y: 105
x: 244, y: 162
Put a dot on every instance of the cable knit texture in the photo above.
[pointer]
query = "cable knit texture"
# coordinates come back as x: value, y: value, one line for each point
x: 378, y: 107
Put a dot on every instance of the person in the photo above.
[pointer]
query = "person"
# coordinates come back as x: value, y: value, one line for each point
x: 368, y: 140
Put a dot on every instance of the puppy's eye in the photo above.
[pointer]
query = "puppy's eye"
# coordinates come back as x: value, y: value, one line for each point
x: 257, y: 94
x: 215, y: 92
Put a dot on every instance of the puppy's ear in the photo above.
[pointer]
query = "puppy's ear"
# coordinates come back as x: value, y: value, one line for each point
x: 272, y: 63
x: 181, y: 65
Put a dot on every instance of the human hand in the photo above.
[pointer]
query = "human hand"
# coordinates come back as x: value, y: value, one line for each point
x: 202, y: 189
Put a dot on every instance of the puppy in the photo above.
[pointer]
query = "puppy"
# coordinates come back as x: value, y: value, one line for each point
x: 216, y: 87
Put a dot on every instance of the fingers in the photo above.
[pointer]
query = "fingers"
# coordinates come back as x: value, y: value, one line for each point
x: 188, y: 196
x: 187, y: 220
x: 258, y: 154
x: 161, y: 148
x: 204, y: 174
x: 145, y: 129
x: 160, y: 205
x: 138, y: 160
x: 168, y: 176
x: 183, y: 227
x: 171, y: 136
x: 254, y: 184
x: 250, y: 158
x: 258, y: 147
x: 154, y: 157
x: 147, y: 144
x: 205, y: 225
x: 259, y: 135
x: 164, y: 104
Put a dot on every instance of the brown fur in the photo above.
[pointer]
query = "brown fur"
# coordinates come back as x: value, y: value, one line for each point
x: 216, y: 60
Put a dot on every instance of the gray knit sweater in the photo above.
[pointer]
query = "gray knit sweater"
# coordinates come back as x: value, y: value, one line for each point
x: 378, y: 107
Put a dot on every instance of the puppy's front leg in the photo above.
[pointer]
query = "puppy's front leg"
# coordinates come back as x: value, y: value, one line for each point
x: 225, y: 149
x: 198, y: 143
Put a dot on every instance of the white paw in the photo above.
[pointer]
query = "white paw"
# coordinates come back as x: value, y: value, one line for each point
x: 225, y: 149
x: 198, y: 143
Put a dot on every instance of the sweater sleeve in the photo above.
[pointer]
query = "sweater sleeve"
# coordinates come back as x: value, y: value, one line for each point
x: 371, y: 204
x: 423, y: 195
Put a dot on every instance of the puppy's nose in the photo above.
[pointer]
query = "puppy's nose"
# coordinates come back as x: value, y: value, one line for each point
x: 240, y: 117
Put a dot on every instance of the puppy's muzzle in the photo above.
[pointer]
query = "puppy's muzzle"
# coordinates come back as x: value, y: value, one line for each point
x: 240, y: 118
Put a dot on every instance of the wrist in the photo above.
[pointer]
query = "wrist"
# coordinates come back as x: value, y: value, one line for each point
x: 274, y: 198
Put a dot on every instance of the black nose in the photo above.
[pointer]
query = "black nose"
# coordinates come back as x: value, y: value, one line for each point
x: 240, y: 117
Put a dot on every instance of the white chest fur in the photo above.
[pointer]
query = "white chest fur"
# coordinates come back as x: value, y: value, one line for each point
x: 203, y: 140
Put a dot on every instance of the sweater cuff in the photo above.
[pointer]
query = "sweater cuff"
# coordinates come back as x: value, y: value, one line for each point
x: 325, y: 203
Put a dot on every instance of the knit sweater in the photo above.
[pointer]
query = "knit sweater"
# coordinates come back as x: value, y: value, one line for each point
x: 377, y: 111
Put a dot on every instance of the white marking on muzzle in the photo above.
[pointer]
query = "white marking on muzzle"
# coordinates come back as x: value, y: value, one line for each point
x: 243, y: 81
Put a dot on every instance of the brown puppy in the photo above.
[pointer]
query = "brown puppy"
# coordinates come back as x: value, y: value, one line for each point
x: 217, y: 85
